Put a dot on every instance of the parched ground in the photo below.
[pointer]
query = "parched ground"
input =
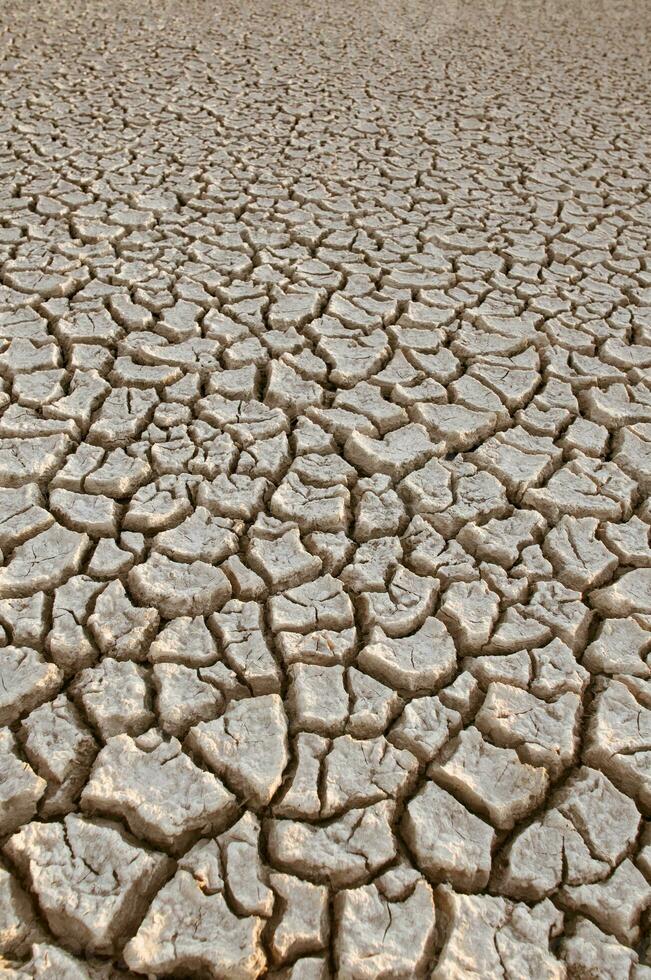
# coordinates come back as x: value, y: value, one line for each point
x: 325, y: 459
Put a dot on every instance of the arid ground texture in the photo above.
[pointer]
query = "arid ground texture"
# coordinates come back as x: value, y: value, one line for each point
x: 325, y: 471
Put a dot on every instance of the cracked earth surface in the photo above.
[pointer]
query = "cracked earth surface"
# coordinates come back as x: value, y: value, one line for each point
x: 325, y: 458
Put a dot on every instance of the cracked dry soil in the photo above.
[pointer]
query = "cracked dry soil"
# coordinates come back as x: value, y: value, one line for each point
x: 325, y: 458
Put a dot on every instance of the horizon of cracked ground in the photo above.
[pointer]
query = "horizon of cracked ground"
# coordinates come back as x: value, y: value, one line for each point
x: 325, y: 458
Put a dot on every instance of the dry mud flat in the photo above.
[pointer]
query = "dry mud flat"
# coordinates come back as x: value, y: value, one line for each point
x: 325, y: 459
